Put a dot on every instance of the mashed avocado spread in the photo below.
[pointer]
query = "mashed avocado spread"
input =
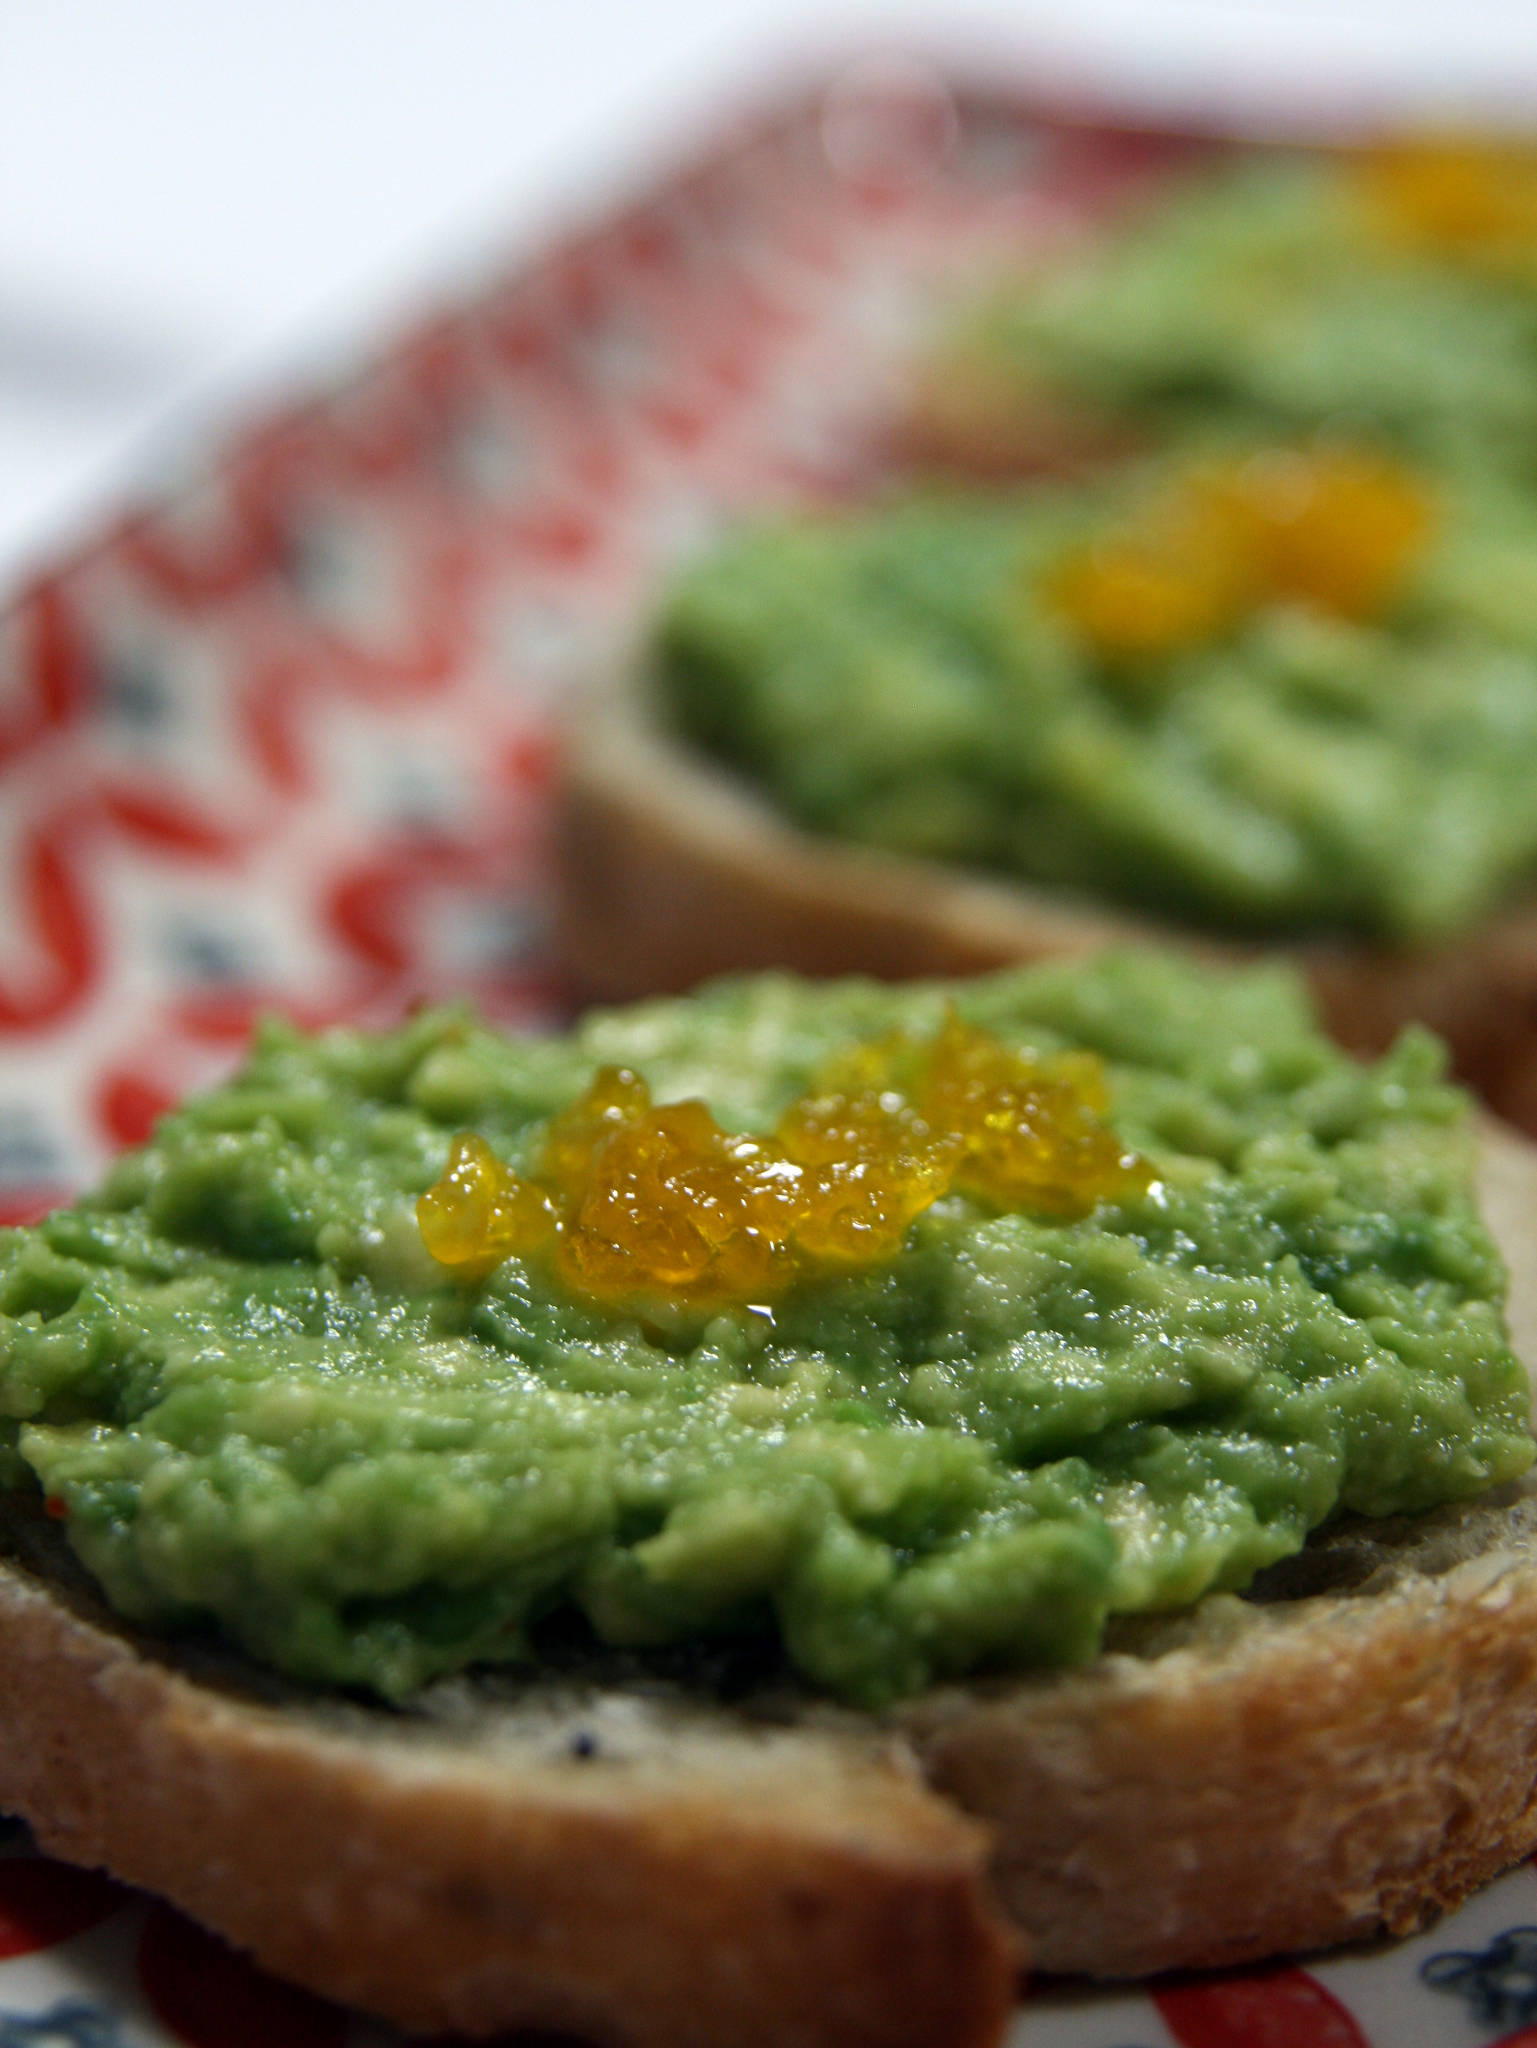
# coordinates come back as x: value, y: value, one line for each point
x: 1396, y: 290
x: 1332, y: 726
x: 257, y: 1401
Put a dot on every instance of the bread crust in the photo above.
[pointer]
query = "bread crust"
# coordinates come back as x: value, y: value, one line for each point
x: 1353, y: 1750
x: 966, y: 416
x: 671, y: 869
x: 1276, y: 1782
x: 1349, y: 1751
x: 646, y: 1877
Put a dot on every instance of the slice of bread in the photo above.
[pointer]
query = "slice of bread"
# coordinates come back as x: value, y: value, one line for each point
x: 672, y: 869
x: 626, y: 1864
x: 968, y: 416
x: 640, y: 1861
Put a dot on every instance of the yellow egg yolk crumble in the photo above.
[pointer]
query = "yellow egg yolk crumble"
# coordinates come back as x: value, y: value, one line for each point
x: 1335, y: 528
x: 1456, y: 198
x: 631, y: 1200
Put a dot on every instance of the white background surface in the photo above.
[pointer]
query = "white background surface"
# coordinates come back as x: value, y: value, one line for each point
x: 195, y: 194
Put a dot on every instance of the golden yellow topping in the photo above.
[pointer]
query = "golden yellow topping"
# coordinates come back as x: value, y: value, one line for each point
x: 1178, y: 577
x: 1475, y: 201
x: 1336, y: 528
x: 632, y: 1201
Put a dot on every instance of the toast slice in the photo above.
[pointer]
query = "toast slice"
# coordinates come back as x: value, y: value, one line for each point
x: 672, y: 869
x: 627, y: 1865
x: 1347, y: 1750
x: 641, y: 1860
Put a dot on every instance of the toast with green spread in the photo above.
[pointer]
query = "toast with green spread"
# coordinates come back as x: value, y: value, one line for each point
x: 1249, y: 696
x: 1390, y: 287
x: 949, y: 732
x: 672, y: 867
x: 372, y: 1591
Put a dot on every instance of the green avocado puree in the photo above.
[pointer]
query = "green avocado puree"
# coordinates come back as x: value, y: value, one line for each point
x: 257, y: 1403
x: 896, y: 675
x: 1268, y: 295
